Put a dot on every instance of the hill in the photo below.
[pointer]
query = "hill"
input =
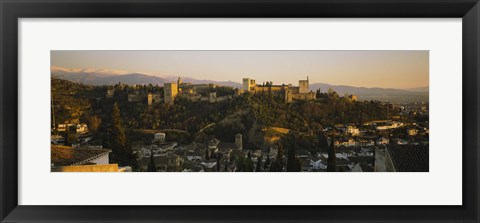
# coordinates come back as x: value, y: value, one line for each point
x: 380, y: 94
x: 110, y: 77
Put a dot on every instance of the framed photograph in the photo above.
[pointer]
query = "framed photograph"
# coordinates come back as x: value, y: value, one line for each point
x: 261, y: 111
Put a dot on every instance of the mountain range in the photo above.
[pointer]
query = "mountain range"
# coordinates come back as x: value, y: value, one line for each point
x: 111, y: 77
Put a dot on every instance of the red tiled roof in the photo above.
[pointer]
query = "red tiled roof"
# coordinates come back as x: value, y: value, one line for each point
x: 68, y: 156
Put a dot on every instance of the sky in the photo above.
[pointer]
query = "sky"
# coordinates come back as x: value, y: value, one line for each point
x: 386, y: 69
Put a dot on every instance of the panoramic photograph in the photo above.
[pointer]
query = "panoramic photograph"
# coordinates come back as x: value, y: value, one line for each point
x: 239, y: 111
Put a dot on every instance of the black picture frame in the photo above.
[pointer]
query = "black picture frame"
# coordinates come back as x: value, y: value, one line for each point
x: 11, y: 11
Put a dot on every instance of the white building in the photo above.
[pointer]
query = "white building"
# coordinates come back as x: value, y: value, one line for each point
x: 159, y: 137
x: 353, y: 130
x: 82, y: 128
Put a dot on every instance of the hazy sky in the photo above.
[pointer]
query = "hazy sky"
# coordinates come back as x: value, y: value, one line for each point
x: 387, y: 69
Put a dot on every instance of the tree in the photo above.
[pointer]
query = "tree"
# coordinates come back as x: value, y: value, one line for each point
x: 267, y: 162
x: 332, y: 159
x: 70, y: 136
x: 207, y: 154
x: 278, y: 164
x: 151, y: 165
x: 226, y: 165
x: 118, y: 133
x: 93, y: 123
x: 330, y: 91
x: 122, y: 153
x: 293, y: 163
x: 259, y: 165
x: 244, y: 165
x: 322, y: 141
x: 218, y: 157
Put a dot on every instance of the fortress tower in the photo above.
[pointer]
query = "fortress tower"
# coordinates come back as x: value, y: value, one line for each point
x: 149, y: 98
x: 248, y: 84
x: 170, y: 91
x: 303, y: 86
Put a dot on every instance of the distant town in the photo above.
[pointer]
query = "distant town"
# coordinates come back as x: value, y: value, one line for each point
x: 258, y: 127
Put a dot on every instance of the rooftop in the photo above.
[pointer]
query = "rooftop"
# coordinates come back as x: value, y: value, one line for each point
x: 68, y: 156
x: 227, y: 145
x: 409, y: 158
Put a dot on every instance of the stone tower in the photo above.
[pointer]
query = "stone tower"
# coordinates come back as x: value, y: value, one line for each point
x: 149, y: 98
x: 303, y: 86
x: 238, y: 141
x: 248, y: 84
x: 170, y: 91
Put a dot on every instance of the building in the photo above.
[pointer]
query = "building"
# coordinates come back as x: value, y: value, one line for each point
x: 302, y: 92
x: 212, y: 96
x: 82, y: 128
x: 159, y: 137
x: 345, y: 142
x: 57, y: 140
x: 68, y: 156
x: 110, y: 93
x: 353, y: 130
x: 239, y: 141
x: 239, y: 92
x: 386, y: 125
x: 248, y: 85
x: 382, y: 141
x: 288, y: 92
x: 134, y: 97
x: 63, y: 127
x: 153, y: 98
x: 189, y: 89
x: 412, y: 131
x: 68, y: 159
x: 163, y: 162
x: 365, y: 142
x: 149, y: 99
x: 303, y: 86
x: 79, y: 128
x: 402, y: 158
x: 352, y: 97
x: 170, y: 92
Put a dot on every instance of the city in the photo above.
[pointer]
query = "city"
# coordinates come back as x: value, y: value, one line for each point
x: 190, y: 127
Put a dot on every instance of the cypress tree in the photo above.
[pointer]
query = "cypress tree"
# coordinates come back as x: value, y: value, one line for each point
x: 218, y: 157
x: 293, y: 163
x: 332, y: 159
x: 151, y: 165
x: 117, y: 137
x: 259, y: 165
x: 291, y: 154
x: 207, y: 154
x: 70, y: 136
x: 278, y: 164
x: 118, y: 133
x: 267, y: 162
x: 322, y: 141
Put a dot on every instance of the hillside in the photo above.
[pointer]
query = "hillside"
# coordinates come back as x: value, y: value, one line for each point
x: 106, y: 77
